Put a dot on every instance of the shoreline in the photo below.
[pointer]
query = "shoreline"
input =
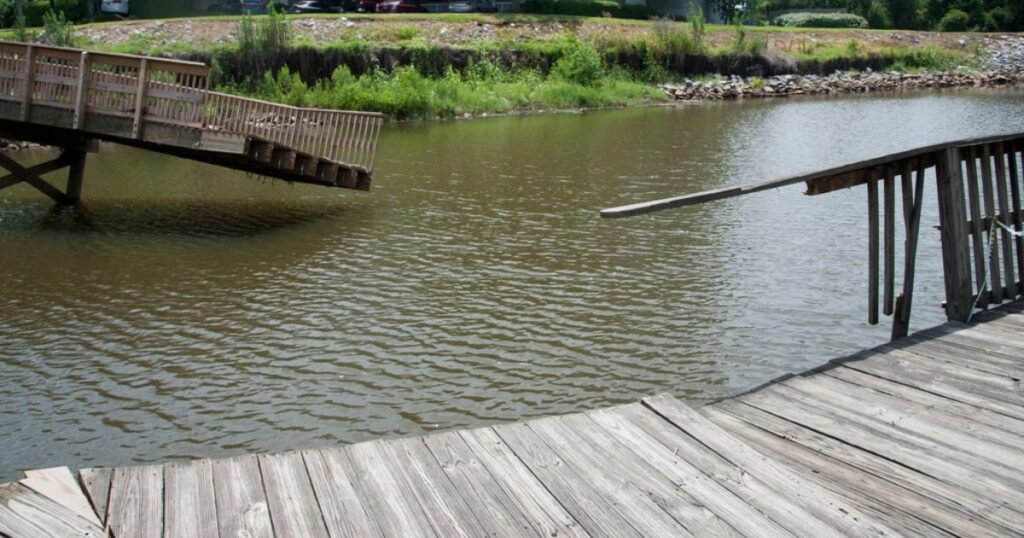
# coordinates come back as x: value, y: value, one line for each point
x: 737, y: 88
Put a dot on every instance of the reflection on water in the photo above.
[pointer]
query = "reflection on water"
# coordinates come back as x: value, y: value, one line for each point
x: 191, y: 311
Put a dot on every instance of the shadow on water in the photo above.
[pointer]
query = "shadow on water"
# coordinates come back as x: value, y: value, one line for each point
x: 187, y: 218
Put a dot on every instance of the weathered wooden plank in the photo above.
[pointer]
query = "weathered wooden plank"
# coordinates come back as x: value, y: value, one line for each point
x: 790, y: 482
x: 591, y: 503
x: 1002, y: 199
x: 503, y: 513
x: 340, y: 503
x: 635, y: 422
x: 951, y: 386
x: 397, y: 512
x: 294, y: 511
x: 189, y: 500
x: 978, y: 446
x: 240, y: 498
x: 27, y: 514
x: 906, y: 510
x: 1011, y: 429
x: 136, y: 505
x: 912, y: 452
x: 520, y: 484
x: 988, y: 196
x: 599, y: 456
x: 96, y: 482
x: 977, y: 235
x: 970, y: 353
x: 448, y: 513
x: 60, y: 486
x: 949, y: 494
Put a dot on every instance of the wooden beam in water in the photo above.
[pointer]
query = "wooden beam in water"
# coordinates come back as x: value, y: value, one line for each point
x: 811, y: 178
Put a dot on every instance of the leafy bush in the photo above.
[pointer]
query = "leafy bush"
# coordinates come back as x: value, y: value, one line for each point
x: 878, y: 16
x: 581, y: 64
x: 58, y: 30
x: 821, y: 20
x: 954, y: 20
x: 406, y: 33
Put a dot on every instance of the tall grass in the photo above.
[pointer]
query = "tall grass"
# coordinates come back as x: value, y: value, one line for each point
x: 405, y: 93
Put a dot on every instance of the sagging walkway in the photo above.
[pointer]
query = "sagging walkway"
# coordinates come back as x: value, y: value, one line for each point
x: 918, y: 437
x: 70, y: 98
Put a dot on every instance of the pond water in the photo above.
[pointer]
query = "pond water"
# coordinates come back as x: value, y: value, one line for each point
x: 191, y: 311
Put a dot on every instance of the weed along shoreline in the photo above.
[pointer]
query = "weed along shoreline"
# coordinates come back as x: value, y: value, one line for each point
x: 416, y: 67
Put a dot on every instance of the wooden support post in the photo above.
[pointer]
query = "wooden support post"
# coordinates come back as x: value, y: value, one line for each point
x: 76, y: 173
x: 43, y: 168
x: 30, y: 81
x: 82, y: 92
x: 140, y: 98
x: 347, y: 178
x: 889, y: 241
x: 956, y: 259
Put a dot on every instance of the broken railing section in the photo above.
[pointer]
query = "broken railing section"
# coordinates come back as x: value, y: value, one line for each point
x: 168, y: 102
x: 979, y: 189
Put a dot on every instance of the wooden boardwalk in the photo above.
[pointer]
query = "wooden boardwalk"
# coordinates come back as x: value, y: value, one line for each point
x: 918, y: 437
x: 71, y: 98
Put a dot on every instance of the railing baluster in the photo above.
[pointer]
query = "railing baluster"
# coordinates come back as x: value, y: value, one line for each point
x: 1004, y: 218
x: 995, y: 281
x: 1018, y: 225
x: 872, y: 187
x: 889, y: 241
x: 974, y: 202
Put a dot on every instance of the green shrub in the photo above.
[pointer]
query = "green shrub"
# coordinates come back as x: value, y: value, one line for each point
x: 954, y: 20
x: 878, y: 16
x: 581, y: 64
x: 58, y: 30
x: 1000, y: 18
x: 406, y: 33
x: 821, y: 20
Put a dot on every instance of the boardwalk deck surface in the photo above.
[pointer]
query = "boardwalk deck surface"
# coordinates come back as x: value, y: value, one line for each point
x: 919, y: 437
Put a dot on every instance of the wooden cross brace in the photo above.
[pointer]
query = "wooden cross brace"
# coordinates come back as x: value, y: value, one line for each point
x: 74, y: 158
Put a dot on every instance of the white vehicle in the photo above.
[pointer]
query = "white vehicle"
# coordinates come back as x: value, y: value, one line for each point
x: 119, y: 7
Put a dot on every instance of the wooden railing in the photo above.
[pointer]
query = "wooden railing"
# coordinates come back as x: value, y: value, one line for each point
x: 980, y: 191
x: 169, y: 92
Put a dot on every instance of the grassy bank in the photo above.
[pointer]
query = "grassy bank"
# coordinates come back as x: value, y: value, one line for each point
x: 424, y: 66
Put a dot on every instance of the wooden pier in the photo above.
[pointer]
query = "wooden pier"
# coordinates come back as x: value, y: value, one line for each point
x: 918, y: 437
x: 71, y: 99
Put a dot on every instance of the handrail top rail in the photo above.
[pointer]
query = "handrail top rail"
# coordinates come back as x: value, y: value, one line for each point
x: 9, y: 45
x: 684, y: 200
x: 296, y: 108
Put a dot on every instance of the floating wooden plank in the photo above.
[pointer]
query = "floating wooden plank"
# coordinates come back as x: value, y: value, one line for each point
x: 240, y: 498
x: 60, y: 486
x: 189, y: 500
x: 136, y: 501
x: 294, y: 511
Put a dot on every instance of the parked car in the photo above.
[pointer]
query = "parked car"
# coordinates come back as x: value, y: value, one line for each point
x: 119, y: 7
x: 399, y: 6
x: 308, y: 6
x: 463, y: 7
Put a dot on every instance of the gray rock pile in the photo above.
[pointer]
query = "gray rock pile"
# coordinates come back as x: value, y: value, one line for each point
x: 836, y: 83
